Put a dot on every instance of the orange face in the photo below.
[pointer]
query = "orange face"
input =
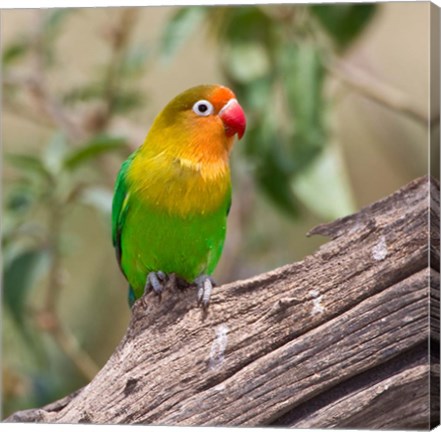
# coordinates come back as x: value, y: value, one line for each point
x: 208, y: 109
x: 229, y: 111
x: 198, y: 126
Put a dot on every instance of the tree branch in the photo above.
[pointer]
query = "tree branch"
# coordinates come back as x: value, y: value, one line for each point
x: 380, y: 92
x: 342, y: 332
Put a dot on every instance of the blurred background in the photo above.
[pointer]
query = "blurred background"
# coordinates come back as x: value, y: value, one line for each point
x: 337, y: 100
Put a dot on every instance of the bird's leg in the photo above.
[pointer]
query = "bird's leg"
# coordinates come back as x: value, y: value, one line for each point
x: 155, y: 281
x: 205, y: 286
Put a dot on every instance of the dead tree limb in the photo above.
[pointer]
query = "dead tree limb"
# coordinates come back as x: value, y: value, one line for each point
x: 340, y: 339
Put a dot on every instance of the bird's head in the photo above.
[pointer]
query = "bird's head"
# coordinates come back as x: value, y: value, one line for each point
x: 205, y: 118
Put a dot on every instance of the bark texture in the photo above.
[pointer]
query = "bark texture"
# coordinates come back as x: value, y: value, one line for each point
x: 340, y: 339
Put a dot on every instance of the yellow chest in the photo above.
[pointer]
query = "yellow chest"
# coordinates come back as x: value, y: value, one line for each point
x: 180, y: 186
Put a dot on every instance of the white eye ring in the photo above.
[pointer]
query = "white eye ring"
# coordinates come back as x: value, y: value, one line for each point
x: 203, y: 108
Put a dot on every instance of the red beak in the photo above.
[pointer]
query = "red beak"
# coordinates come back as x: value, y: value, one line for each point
x: 233, y: 117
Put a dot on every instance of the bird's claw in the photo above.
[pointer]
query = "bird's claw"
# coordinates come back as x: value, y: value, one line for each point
x: 155, y: 281
x: 205, y: 285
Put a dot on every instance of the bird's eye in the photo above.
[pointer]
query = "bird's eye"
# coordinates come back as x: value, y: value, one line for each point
x: 203, y: 108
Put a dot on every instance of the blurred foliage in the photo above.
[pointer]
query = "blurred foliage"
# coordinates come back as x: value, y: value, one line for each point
x: 275, y: 59
x: 44, y: 188
x: 344, y: 22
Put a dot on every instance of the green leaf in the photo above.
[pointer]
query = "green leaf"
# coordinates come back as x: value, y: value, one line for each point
x: 274, y: 182
x: 324, y: 186
x: 14, y: 52
x: 304, y: 84
x: 247, y: 61
x: 98, y: 198
x: 273, y: 168
x: 99, y: 145
x: 256, y: 96
x: 134, y: 62
x: 29, y: 165
x: 122, y: 101
x: 303, y: 77
x: 20, y: 274
x: 179, y: 28
x: 245, y: 24
x: 84, y: 93
x: 53, y: 19
x: 20, y: 198
x: 343, y: 22
x: 126, y: 100
x: 52, y: 24
x: 54, y: 153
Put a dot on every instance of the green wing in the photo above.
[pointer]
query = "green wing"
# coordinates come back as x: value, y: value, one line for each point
x: 120, y: 207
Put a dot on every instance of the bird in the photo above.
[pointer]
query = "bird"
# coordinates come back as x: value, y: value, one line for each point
x: 172, y: 195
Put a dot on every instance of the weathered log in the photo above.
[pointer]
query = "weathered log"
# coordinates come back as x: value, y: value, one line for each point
x: 340, y: 339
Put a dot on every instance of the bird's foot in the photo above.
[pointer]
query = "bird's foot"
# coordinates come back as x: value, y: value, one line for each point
x: 205, y: 286
x: 155, y: 281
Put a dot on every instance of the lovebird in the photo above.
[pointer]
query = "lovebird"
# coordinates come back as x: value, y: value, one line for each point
x: 173, y: 194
